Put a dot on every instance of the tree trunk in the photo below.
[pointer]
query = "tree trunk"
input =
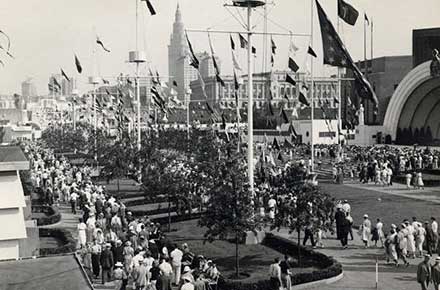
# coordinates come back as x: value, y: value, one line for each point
x: 237, y: 263
x: 118, y: 185
x: 299, y: 247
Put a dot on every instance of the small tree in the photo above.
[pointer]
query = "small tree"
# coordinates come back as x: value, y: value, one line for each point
x: 310, y: 208
x: 230, y: 208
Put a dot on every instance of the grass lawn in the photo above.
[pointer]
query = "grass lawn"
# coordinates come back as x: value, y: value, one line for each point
x: 390, y: 208
x: 254, y: 259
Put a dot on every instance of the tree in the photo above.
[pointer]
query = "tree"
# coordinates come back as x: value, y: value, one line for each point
x: 310, y: 207
x: 230, y: 206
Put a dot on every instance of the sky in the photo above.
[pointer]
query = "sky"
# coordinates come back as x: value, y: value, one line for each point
x: 45, y: 34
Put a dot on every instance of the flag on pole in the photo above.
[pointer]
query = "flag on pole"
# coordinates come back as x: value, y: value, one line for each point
x: 194, y: 62
x: 336, y: 54
x: 106, y: 82
x: 64, y: 75
x: 273, y: 45
x: 292, y: 48
x: 243, y: 41
x: 150, y: 7
x: 232, y: 42
x: 292, y: 65
x: 284, y: 116
x: 290, y: 80
x: 347, y: 12
x: 214, y: 62
x: 175, y: 84
x: 302, y: 96
x: 366, y: 19
x: 98, y: 41
x: 78, y: 65
x: 311, y: 52
x: 56, y: 83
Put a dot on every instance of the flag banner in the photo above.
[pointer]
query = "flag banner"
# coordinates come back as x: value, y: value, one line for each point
x: 273, y: 45
x: 78, y: 65
x: 254, y: 50
x: 56, y: 83
x: 366, y: 19
x: 280, y: 157
x: 290, y: 80
x: 336, y: 54
x: 311, y: 52
x: 243, y: 41
x: 220, y: 80
x: 232, y: 42
x: 347, y: 12
x: 214, y: 62
x: 64, y: 75
x: 292, y: 48
x: 292, y: 65
x: 98, y: 41
x: 335, y: 100
x: 150, y: 7
x: 106, y: 82
x: 287, y: 144
x: 235, y: 62
x: 236, y: 83
x: 303, y: 100
x: 175, y: 84
x: 194, y: 62
x: 284, y: 116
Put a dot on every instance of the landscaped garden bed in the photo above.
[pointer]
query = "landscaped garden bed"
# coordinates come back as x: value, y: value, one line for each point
x: 45, y: 214
x: 67, y: 243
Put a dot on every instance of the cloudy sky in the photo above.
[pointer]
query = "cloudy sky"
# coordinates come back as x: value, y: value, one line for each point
x: 45, y: 34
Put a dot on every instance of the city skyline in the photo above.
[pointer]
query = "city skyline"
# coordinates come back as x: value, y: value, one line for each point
x: 43, y: 47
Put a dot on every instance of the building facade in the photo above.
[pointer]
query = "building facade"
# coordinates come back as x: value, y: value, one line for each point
x: 28, y: 88
x: 424, y: 42
x: 178, y: 66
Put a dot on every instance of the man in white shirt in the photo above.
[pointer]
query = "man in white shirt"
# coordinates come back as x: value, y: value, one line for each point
x: 275, y: 274
x: 434, y: 227
x: 166, y: 273
x: 187, y: 285
x: 176, y: 262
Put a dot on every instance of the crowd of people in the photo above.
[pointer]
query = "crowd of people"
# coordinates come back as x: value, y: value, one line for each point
x: 113, y: 244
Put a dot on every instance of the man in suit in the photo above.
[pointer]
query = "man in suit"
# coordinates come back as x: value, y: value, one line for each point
x: 107, y: 263
x: 424, y: 272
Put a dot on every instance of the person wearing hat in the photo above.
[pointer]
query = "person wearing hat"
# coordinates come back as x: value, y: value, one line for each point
x: 411, y: 247
x: 119, y: 275
x: 365, y: 230
x: 435, y: 274
x: 187, y: 274
x: 139, y: 275
x: 187, y: 284
x: 424, y: 272
x: 107, y: 263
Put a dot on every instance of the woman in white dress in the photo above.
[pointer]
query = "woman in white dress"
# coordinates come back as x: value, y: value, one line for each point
x: 366, y: 230
x: 380, y: 233
x: 390, y: 246
x: 420, y: 183
x: 82, y: 236
x: 408, y: 177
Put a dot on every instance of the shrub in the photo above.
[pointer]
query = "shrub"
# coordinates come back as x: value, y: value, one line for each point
x: 69, y: 243
x: 52, y: 213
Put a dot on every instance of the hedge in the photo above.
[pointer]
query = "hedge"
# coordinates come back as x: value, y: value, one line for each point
x: 329, y: 267
x: 69, y: 243
x: 52, y: 213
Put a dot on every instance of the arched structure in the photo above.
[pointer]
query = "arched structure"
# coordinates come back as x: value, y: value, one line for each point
x: 415, y: 103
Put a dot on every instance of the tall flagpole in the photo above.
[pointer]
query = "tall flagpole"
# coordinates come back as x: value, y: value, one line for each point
x: 339, y: 96
x: 250, y: 104
x: 312, y: 91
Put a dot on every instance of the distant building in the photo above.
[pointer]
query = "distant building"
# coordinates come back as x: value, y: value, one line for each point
x: 28, y: 89
x: 178, y: 66
x: 424, y: 42
x: 67, y: 86
x: 384, y: 74
x: 207, y: 65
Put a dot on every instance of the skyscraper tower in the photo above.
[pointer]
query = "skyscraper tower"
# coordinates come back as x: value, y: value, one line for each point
x: 178, y: 65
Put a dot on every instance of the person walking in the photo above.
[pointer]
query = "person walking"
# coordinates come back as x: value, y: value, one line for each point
x: 419, y: 181
x: 411, y: 249
x: 275, y: 274
x: 408, y: 178
x: 176, y: 263
x: 435, y: 274
x: 391, y: 246
x: 401, y: 245
x: 107, y: 263
x: 434, y: 228
x: 285, y: 273
x: 82, y: 235
x: 365, y: 230
x: 424, y: 273
x: 429, y: 237
x: 119, y: 276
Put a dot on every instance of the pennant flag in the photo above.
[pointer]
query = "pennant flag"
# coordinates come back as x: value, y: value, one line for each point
x: 106, y: 82
x: 290, y: 80
x: 243, y: 41
x: 56, y: 83
x: 254, y: 50
x: 292, y: 131
x: 7, y: 52
x: 235, y: 62
x: 280, y: 157
x: 284, y: 116
x: 292, y: 65
x: 273, y: 45
x: 194, y: 62
x: 295, y: 112
x: 287, y: 144
x: 366, y: 19
x: 98, y: 41
x: 64, y: 75
x: 335, y: 100
x: 175, y: 84
x: 275, y: 144
x: 292, y: 48
x: 220, y: 80
x: 302, y: 98
x: 336, y: 54
x: 214, y: 62
x: 347, y: 12
x: 311, y: 52
x: 236, y: 83
x: 150, y: 7
x: 232, y: 42
x: 7, y: 37
x: 78, y: 65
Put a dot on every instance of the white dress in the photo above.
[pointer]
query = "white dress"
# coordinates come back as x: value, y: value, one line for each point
x: 82, y: 236
x: 366, y: 230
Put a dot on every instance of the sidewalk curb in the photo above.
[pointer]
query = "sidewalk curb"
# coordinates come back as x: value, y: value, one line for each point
x: 318, y: 283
